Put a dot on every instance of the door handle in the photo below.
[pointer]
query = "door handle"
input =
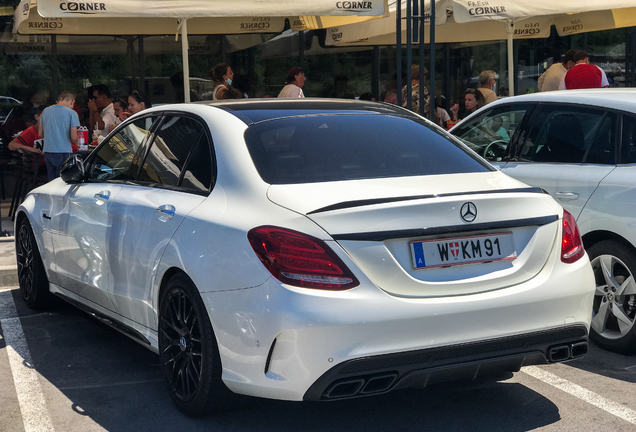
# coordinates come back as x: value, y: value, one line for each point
x: 566, y: 196
x: 102, y: 197
x: 165, y: 212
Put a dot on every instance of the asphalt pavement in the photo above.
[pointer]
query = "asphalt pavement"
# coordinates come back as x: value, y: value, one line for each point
x: 8, y: 266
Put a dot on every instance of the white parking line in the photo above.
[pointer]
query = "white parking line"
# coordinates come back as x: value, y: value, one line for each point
x: 35, y: 415
x: 586, y: 395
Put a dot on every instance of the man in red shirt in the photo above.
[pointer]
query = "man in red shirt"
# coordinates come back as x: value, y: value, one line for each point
x: 583, y: 75
x: 29, y: 140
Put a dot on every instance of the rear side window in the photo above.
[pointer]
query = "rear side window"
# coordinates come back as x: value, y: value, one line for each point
x: 570, y: 134
x: 628, y: 142
x: 322, y: 148
x: 198, y: 173
x: 177, y: 141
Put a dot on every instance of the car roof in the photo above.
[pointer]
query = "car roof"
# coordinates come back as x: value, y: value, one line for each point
x: 617, y: 98
x: 256, y: 110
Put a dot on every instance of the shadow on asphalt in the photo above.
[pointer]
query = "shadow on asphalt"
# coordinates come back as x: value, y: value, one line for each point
x: 612, y: 365
x: 117, y: 383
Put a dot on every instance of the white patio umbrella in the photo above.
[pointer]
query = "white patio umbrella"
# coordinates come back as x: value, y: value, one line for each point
x: 143, y: 17
x: 382, y: 31
x: 567, y: 15
x: 471, y: 21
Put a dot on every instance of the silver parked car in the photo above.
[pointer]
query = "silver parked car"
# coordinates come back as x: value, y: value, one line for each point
x: 580, y: 146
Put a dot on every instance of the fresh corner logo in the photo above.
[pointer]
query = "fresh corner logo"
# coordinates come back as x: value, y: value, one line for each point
x: 528, y: 29
x: 575, y: 25
x: 336, y: 35
x: 83, y: 7
x: 354, y: 6
x: 481, y: 8
x: 47, y: 23
x: 258, y: 23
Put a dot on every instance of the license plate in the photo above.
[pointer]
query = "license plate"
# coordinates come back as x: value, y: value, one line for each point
x: 453, y: 251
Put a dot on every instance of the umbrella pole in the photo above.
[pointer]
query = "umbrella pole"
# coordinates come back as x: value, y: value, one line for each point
x: 510, y: 28
x: 186, y: 61
x: 432, y: 51
x: 398, y: 53
x: 54, y: 67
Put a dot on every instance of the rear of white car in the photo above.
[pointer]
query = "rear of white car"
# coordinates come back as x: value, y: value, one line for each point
x: 412, y: 279
x: 399, y: 325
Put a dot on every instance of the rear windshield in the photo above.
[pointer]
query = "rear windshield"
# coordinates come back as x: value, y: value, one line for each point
x: 324, y: 148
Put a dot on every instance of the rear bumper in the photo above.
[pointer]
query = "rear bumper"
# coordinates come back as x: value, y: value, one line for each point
x: 383, y: 373
x: 293, y: 344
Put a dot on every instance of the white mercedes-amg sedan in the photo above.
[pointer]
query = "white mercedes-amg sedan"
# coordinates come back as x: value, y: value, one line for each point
x: 306, y: 250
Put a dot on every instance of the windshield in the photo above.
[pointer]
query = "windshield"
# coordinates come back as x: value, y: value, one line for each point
x: 323, y: 148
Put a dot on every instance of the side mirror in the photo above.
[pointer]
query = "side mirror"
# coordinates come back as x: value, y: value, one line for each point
x: 72, y: 170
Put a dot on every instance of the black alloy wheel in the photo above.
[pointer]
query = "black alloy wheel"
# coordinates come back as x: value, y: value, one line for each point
x: 188, y: 352
x: 34, y: 286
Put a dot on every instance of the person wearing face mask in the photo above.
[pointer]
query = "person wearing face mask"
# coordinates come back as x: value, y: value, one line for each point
x: 222, y: 75
x: 488, y: 81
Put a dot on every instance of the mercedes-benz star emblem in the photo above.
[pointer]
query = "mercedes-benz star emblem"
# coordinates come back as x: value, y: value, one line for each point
x: 468, y: 212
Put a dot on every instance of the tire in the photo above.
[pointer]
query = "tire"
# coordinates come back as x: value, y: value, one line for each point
x: 34, y: 285
x: 188, y: 352
x: 614, y: 311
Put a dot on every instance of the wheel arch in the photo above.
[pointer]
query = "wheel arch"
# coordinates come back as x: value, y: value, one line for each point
x: 167, y: 275
x: 21, y: 215
x: 593, y: 237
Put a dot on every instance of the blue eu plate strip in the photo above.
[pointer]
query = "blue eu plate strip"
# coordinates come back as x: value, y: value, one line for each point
x: 418, y: 254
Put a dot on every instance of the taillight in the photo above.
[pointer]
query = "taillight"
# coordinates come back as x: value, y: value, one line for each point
x: 300, y: 260
x: 571, y: 244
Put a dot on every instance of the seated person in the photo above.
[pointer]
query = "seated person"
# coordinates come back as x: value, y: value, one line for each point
x: 496, y: 131
x: 29, y: 140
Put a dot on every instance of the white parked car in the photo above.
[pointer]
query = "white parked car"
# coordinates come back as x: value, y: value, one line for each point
x: 579, y: 146
x: 307, y: 250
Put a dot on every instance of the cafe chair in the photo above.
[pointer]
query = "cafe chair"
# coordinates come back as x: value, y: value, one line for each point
x: 26, y: 178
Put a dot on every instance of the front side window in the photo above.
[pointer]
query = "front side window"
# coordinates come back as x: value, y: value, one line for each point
x: 570, y: 134
x: 322, y: 148
x: 118, y: 159
x: 489, y: 134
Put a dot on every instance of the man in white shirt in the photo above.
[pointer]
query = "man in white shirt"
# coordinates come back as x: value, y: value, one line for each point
x: 551, y: 79
x: 102, y: 112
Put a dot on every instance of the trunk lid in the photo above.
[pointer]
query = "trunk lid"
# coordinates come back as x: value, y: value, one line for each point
x: 381, y: 222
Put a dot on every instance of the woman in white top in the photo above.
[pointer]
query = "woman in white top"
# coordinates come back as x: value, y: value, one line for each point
x: 295, y: 82
x: 222, y: 75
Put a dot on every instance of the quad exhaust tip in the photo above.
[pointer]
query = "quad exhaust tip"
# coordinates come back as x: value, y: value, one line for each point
x: 569, y: 351
x: 360, y: 386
